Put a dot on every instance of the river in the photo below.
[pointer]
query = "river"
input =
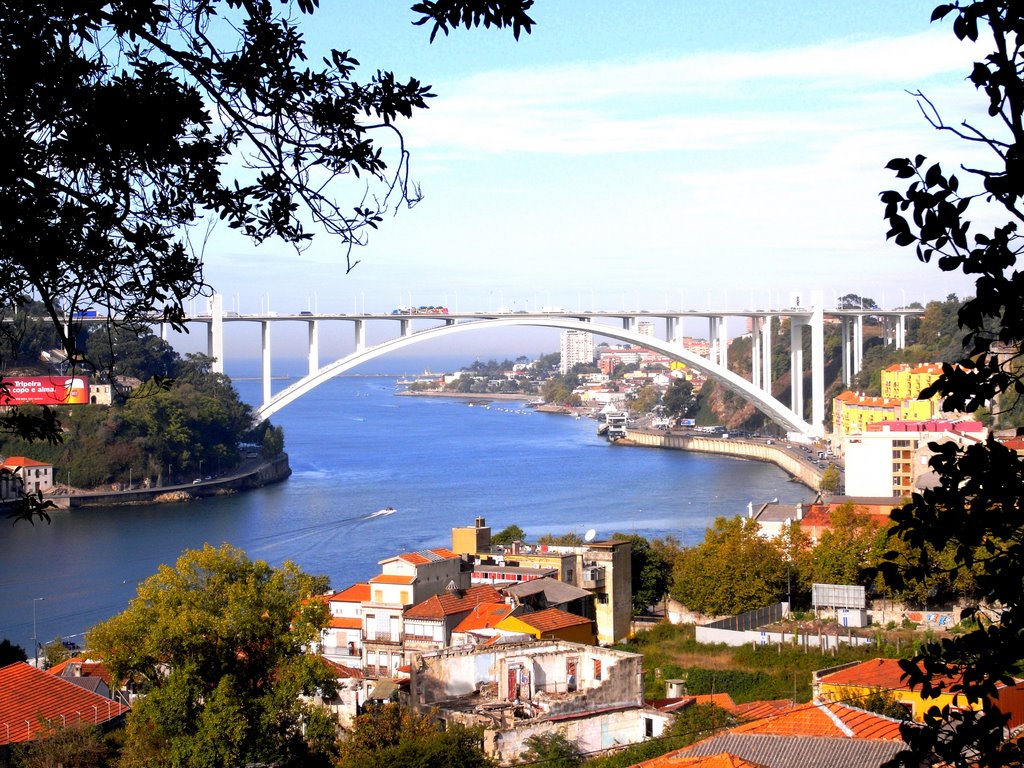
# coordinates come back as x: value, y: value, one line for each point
x: 356, y: 448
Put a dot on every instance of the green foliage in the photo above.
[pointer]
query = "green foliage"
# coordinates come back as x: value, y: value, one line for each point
x: 55, y: 652
x: 650, y: 571
x: 10, y: 653
x: 216, y: 644
x: 829, y: 482
x: 81, y: 746
x: 508, y: 535
x: 976, y: 518
x: 552, y: 750
x: 570, y: 539
x: 883, y: 702
x: 733, y: 570
x: 645, y: 400
x: 391, y: 736
x: 678, y: 400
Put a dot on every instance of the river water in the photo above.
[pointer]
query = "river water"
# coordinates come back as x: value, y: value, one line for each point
x: 355, y: 448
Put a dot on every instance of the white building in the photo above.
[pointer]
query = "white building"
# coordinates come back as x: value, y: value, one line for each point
x: 577, y: 347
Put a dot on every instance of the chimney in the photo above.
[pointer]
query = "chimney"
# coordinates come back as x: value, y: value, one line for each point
x: 750, y: 509
x: 800, y: 511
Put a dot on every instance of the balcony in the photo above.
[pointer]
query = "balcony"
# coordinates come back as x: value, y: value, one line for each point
x: 381, y: 637
x: 592, y: 578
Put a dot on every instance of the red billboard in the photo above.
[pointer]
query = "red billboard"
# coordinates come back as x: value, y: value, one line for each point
x: 44, y: 390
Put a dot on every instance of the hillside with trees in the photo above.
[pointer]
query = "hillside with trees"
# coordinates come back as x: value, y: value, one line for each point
x: 172, y: 418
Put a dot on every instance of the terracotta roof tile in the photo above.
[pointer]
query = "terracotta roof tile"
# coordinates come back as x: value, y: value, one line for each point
x: 79, y: 666
x: 29, y: 697
x: 23, y: 461
x: 723, y: 700
x: 551, y: 619
x: 451, y: 603
x: 388, y: 578
x: 875, y: 673
x: 344, y: 622
x: 721, y: 760
x: 357, y: 593
x: 484, y: 616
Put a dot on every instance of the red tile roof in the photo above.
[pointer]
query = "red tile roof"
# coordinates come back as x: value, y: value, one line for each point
x: 721, y: 760
x: 823, y: 719
x: 30, y: 697
x: 424, y: 557
x: 22, y: 461
x: 344, y: 622
x: 85, y: 668
x: 723, y: 700
x: 451, y: 603
x: 551, y: 619
x: 387, y: 578
x: 357, y: 593
x: 754, y: 710
x: 876, y: 673
x: 484, y: 616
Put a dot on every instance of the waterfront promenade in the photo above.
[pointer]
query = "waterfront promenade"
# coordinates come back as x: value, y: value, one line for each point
x: 249, y: 475
x: 780, y: 453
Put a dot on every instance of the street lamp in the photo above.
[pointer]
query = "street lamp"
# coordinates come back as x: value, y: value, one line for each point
x: 35, y: 637
x: 200, y: 469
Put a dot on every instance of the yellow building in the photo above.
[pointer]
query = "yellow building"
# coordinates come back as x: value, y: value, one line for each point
x: 603, y: 568
x: 905, y: 382
x: 551, y: 624
x: 851, y: 683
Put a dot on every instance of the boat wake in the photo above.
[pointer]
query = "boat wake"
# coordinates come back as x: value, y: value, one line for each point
x: 382, y: 512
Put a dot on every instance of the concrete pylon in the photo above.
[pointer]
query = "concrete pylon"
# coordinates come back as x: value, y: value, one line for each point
x: 215, y: 332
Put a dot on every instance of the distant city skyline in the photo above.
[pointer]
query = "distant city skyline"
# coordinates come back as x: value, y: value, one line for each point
x: 629, y: 158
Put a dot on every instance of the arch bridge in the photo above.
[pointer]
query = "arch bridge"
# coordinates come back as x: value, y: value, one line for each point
x: 715, y: 365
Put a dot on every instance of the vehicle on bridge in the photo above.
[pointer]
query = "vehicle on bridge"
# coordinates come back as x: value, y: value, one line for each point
x: 424, y: 310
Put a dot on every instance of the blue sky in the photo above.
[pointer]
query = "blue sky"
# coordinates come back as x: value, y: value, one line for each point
x: 676, y: 154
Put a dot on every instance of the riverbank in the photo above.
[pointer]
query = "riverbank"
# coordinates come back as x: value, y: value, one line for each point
x: 483, y: 398
x: 795, y: 466
x: 248, y: 476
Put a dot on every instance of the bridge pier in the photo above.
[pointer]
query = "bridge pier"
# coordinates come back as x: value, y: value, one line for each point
x: 314, y: 347
x: 796, y: 365
x: 265, y: 360
x: 215, y: 333
x: 360, y: 333
x: 405, y: 327
x: 766, y: 354
x: 755, y: 351
x: 818, y: 362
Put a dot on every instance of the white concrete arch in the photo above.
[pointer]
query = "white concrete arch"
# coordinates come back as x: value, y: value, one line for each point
x: 768, y: 405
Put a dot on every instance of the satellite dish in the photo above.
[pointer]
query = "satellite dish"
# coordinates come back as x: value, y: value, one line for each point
x: 589, y: 535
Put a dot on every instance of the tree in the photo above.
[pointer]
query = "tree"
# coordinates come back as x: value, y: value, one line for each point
x: 853, y: 301
x: 216, y: 644
x: 508, y: 535
x: 650, y: 571
x: 552, y: 750
x: 10, y: 653
x: 678, y: 400
x: 976, y: 510
x: 80, y: 745
x: 734, y: 569
x: 55, y: 652
x: 392, y: 736
x: 829, y: 482
x: 645, y: 400
x: 130, y: 126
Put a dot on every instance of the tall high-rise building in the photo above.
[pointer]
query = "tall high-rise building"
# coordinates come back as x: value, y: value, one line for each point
x: 645, y: 328
x: 577, y: 347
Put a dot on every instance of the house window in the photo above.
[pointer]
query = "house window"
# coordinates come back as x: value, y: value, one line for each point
x: 602, y: 598
x: 597, y: 669
x: 648, y: 728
